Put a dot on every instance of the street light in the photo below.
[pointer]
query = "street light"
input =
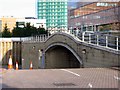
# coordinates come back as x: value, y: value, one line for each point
x: 83, y: 52
x: 41, y: 58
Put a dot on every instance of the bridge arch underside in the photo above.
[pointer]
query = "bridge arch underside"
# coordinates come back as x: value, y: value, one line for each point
x: 58, y: 56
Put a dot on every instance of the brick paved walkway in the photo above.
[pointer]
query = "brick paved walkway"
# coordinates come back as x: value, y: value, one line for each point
x: 61, y: 78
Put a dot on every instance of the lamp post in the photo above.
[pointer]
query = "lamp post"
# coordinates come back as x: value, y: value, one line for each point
x: 41, y: 59
x: 83, y: 58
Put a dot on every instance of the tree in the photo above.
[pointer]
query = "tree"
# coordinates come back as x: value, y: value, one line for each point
x: 17, y: 32
x: 27, y: 31
x: 0, y: 34
x: 41, y: 31
x: 5, y: 32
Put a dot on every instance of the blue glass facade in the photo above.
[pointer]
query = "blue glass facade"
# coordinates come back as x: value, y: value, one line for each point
x: 55, y: 13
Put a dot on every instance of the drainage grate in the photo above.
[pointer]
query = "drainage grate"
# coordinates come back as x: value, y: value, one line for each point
x: 64, y: 84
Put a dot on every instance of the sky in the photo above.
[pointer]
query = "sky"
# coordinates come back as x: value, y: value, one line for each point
x: 18, y: 8
x: 21, y: 8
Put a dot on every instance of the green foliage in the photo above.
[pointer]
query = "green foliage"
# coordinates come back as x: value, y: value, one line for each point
x: 26, y: 31
x: 17, y: 32
x: 0, y: 34
x: 41, y: 31
x: 5, y: 32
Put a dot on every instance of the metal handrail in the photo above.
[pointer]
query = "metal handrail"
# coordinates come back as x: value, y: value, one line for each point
x: 108, y: 41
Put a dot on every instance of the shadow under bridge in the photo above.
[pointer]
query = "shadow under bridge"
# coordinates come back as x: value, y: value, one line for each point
x: 61, y: 56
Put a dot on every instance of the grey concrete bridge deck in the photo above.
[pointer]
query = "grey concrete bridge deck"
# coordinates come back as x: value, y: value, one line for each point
x: 61, y: 78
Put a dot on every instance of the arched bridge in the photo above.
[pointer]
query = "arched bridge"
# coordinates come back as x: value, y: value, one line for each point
x: 66, y: 50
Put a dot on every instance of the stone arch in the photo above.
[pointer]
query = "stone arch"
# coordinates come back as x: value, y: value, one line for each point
x: 67, y: 47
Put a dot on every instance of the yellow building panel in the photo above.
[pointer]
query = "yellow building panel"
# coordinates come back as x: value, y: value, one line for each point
x: 10, y: 21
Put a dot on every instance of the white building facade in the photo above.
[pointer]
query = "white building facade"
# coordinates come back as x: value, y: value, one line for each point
x: 33, y: 22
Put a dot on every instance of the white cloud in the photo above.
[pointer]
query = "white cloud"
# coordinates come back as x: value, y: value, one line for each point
x: 17, y: 8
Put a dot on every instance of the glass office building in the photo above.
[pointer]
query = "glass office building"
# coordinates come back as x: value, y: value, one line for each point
x: 95, y: 16
x: 54, y: 11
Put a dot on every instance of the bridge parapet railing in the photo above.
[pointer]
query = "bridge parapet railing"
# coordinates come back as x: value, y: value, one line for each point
x: 105, y: 40
x: 37, y: 38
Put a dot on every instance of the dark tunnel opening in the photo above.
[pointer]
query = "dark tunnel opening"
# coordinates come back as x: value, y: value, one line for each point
x: 60, y: 57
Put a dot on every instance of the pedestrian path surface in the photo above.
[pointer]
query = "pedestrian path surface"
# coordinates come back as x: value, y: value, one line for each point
x: 61, y: 78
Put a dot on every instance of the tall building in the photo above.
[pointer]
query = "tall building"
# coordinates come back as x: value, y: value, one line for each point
x: 95, y: 16
x: 55, y: 13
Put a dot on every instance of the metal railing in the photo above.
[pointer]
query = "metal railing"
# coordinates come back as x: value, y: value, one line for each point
x: 108, y: 41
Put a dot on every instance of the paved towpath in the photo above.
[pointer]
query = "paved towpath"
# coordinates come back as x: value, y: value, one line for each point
x: 61, y: 78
